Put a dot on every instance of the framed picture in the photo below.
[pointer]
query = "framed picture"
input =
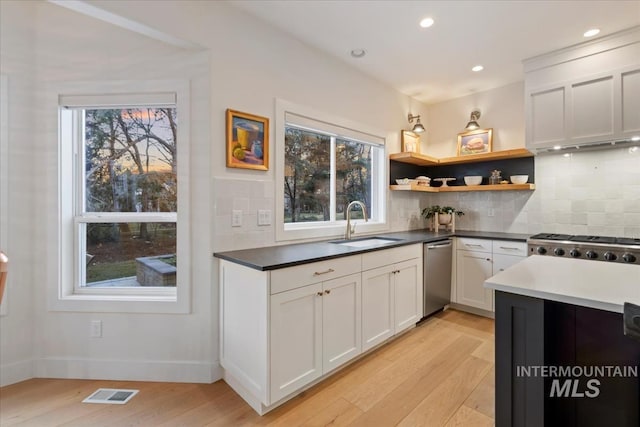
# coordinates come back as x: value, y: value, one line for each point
x: 247, y: 141
x: 475, y: 142
x: 410, y: 142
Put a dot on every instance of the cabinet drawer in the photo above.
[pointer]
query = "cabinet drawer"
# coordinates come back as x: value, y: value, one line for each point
x: 470, y: 244
x: 383, y: 257
x: 301, y: 275
x: 507, y: 247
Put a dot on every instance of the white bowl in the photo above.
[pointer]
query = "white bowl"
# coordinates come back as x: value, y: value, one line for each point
x: 402, y: 181
x: 473, y: 180
x: 423, y: 180
x: 519, y: 179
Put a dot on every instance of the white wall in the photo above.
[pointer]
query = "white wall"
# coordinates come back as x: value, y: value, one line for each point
x: 244, y: 65
x: 252, y: 65
x: 501, y: 109
x: 17, y: 326
x: 47, y: 46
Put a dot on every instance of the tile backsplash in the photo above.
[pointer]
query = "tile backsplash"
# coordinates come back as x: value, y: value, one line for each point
x: 596, y: 192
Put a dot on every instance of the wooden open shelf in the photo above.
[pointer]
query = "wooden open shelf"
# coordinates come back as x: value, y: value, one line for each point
x: 424, y: 160
x: 414, y: 159
x: 460, y: 188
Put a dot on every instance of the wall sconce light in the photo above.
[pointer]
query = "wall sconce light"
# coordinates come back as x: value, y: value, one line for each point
x: 473, y: 124
x: 417, y: 128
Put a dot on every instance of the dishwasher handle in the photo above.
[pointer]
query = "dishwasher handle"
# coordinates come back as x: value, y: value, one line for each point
x: 440, y: 245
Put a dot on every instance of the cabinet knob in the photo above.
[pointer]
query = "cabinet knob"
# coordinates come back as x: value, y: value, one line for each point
x: 328, y: 291
x: 319, y: 294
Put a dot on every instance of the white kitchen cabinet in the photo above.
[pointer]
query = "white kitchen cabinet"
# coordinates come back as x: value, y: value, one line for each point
x: 473, y: 268
x: 314, y: 329
x: 391, y: 294
x: 285, y: 329
x: 296, y: 339
x: 502, y: 262
x: 378, y: 304
x: 341, y: 321
x: 476, y: 261
x: 584, y: 94
x: 408, y: 298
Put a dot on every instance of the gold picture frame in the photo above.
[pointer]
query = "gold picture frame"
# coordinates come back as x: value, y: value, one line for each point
x: 475, y: 142
x: 410, y: 142
x: 247, y: 141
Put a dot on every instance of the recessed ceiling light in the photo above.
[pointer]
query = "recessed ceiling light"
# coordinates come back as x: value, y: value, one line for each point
x: 426, y: 22
x: 477, y: 68
x: 592, y: 32
x: 358, y: 53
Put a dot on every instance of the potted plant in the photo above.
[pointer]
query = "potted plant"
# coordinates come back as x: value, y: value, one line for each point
x: 444, y: 213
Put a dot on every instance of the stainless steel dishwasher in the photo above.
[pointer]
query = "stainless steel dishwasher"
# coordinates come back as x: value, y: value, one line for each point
x: 437, y: 276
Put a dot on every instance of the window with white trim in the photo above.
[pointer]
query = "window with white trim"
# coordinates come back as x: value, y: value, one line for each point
x: 121, y: 197
x: 327, y: 165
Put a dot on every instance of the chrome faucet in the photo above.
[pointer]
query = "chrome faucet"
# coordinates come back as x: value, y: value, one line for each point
x: 351, y: 230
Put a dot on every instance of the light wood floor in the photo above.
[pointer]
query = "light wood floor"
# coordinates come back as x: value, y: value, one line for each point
x: 439, y: 374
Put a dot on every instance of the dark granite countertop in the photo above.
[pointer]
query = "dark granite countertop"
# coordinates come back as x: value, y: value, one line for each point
x: 275, y: 257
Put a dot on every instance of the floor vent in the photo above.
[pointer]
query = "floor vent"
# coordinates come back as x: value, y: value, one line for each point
x: 111, y: 395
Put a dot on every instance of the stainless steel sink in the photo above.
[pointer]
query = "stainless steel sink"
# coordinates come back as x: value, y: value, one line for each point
x: 366, y: 242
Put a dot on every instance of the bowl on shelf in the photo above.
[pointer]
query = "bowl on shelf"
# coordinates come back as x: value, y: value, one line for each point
x: 519, y: 179
x: 423, y: 180
x: 473, y: 180
x: 402, y: 181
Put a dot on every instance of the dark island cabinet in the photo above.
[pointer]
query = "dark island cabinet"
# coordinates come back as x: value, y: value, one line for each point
x: 564, y: 365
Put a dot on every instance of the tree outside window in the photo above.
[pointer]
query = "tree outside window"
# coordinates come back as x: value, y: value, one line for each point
x: 129, y: 177
x: 322, y: 171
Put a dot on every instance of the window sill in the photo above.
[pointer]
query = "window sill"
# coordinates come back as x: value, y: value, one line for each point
x: 328, y: 231
x: 101, y: 303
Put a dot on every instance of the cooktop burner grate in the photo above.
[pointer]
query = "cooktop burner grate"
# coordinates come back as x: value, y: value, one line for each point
x: 628, y: 241
x: 593, y: 239
x: 550, y: 236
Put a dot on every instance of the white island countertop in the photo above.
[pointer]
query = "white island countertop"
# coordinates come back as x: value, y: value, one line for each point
x: 595, y: 284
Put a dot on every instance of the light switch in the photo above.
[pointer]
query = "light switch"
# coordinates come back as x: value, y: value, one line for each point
x: 264, y: 217
x: 236, y: 218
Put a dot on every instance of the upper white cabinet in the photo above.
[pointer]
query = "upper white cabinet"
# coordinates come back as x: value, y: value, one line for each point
x: 584, y: 94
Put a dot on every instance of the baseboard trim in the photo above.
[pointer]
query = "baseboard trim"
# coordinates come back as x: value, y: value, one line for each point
x: 16, y: 372
x: 473, y: 310
x: 128, y: 370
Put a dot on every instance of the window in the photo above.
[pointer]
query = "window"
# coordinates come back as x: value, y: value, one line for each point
x: 122, y: 197
x: 125, y: 179
x: 325, y: 167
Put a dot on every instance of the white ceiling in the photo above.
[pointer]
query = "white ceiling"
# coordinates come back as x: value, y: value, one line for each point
x: 434, y: 64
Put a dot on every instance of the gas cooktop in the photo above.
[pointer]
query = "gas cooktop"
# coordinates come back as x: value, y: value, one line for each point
x: 598, y: 248
x: 587, y: 239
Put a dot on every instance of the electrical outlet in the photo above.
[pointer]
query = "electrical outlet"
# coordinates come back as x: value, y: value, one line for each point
x: 264, y: 217
x: 491, y: 212
x: 96, y: 329
x: 236, y: 218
